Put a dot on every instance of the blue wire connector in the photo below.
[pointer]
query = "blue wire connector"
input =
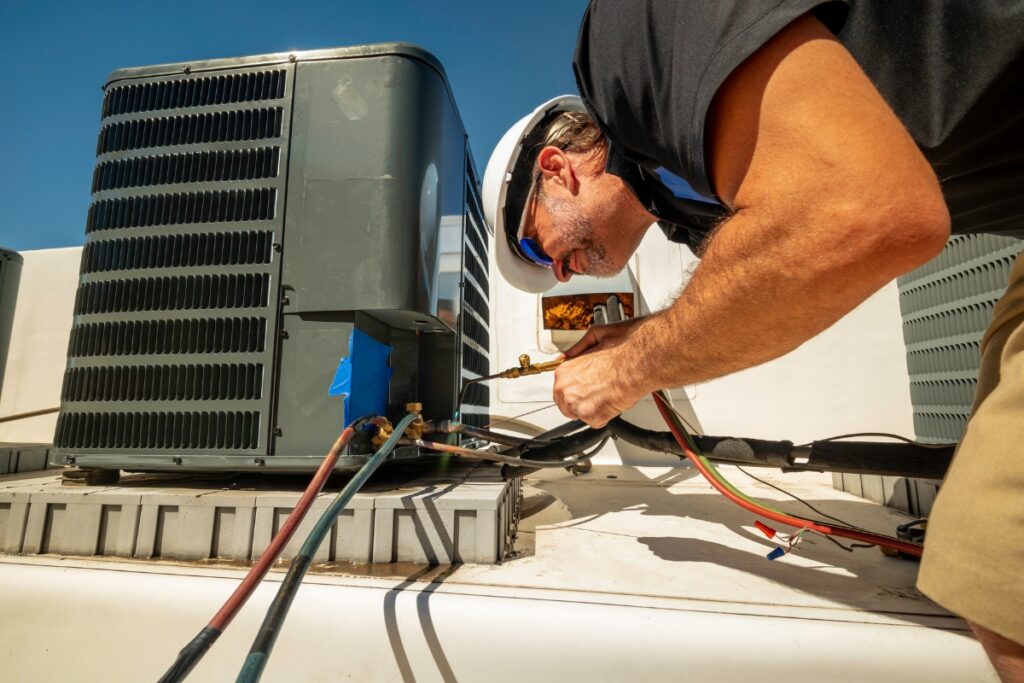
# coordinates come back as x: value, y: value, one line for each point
x: 776, y: 553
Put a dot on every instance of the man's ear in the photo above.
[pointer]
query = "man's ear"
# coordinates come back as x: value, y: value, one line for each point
x: 555, y: 166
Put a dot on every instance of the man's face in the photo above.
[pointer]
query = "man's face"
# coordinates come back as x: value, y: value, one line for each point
x: 580, y: 231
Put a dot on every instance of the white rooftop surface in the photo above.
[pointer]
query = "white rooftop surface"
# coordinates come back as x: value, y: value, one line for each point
x: 650, y: 575
x: 623, y: 573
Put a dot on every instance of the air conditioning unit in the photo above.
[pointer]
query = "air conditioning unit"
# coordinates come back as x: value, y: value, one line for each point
x: 10, y: 276
x: 275, y: 245
x: 947, y: 306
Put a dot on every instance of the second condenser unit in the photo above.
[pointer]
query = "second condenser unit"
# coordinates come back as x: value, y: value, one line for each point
x: 274, y: 245
x: 10, y: 276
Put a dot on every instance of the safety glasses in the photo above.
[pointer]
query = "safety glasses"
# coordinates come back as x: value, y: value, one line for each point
x: 532, y: 250
x: 528, y: 248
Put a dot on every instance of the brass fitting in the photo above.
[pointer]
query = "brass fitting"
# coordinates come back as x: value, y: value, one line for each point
x: 384, y: 430
x: 527, y: 368
x: 416, y: 427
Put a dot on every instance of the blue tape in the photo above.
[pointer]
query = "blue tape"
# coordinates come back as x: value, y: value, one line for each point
x: 363, y: 377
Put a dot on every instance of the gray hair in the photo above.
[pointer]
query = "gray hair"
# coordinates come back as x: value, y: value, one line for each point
x: 574, y: 132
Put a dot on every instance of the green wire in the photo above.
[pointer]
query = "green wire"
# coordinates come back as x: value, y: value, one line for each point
x: 725, y: 482
x: 718, y: 476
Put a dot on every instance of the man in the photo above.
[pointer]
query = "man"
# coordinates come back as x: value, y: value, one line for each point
x: 794, y: 145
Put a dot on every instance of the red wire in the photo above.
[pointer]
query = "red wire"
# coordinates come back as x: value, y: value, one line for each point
x: 875, y: 539
x: 234, y: 603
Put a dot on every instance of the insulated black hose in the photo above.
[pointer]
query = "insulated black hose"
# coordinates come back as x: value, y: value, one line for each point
x: 888, y: 459
x: 531, y: 442
x: 719, y: 448
x: 562, y: 447
x: 497, y: 437
x: 492, y: 456
x: 561, y: 430
x: 852, y: 457
x: 558, y: 451
x: 514, y: 471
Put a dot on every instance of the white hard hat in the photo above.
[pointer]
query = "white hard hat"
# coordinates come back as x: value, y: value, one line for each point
x: 506, y: 189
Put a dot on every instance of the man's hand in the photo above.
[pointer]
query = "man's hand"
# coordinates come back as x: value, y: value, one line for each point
x: 594, y: 387
x: 601, y: 337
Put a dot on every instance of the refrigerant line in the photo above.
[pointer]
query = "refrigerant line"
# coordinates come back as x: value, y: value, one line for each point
x: 262, y: 646
x: 490, y: 455
x: 190, y: 655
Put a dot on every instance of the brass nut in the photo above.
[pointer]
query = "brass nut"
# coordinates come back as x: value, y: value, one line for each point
x: 415, y: 429
x: 384, y: 431
x: 414, y: 407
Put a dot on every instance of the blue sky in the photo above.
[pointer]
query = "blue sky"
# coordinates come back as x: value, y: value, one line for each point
x: 502, y: 59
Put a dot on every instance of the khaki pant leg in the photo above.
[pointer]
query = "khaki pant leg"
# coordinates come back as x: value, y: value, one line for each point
x: 973, y: 562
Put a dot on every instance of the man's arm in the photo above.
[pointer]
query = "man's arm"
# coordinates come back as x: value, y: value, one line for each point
x: 831, y: 199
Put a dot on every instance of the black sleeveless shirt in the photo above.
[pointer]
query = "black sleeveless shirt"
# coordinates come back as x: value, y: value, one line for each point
x: 952, y: 71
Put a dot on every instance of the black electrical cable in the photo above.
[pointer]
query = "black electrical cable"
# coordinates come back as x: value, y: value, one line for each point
x: 840, y: 437
x: 515, y: 419
x: 799, y: 500
x: 465, y: 386
x: 850, y: 548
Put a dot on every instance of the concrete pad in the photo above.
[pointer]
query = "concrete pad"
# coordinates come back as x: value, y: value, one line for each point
x: 406, y: 514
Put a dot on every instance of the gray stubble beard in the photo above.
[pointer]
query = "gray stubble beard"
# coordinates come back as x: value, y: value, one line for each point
x: 578, y: 230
